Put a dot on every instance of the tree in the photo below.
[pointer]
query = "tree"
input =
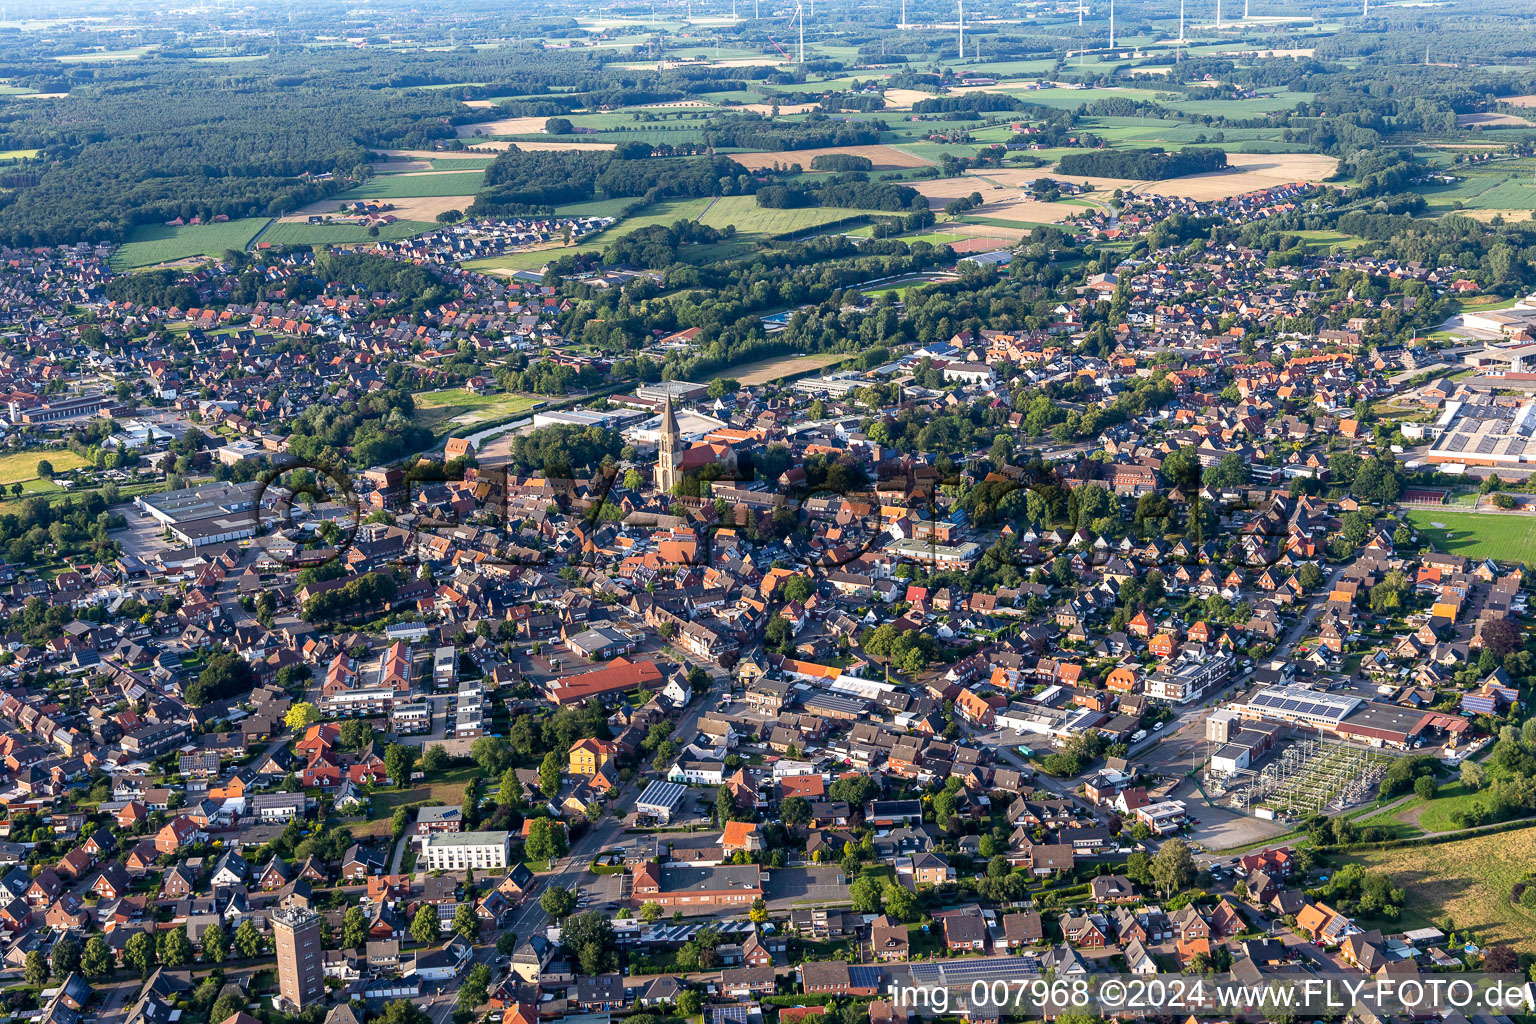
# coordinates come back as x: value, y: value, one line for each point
x: 66, y: 956
x: 465, y: 924
x: 398, y: 762
x: 1500, y: 960
x: 759, y: 911
x: 1424, y: 787
x: 591, y: 937
x: 175, y: 949
x: 434, y: 759
x: 475, y: 989
x: 506, y: 943
x: 1174, y: 867
x: 45, y: 469
x: 35, y: 970
x: 558, y: 902
x: 724, y: 806
x: 690, y: 1003
x: 424, y: 925
x: 354, y: 928
x: 226, y: 1006
x: 248, y: 940
x: 1500, y: 636
x: 139, y: 952
x: 1472, y: 775
x: 902, y: 903
x: 549, y: 774
x: 651, y: 912
x: 225, y: 675
x: 97, y: 960
x: 492, y: 753
x: 546, y: 840
x: 794, y: 811
x: 215, y: 944
x: 865, y: 892
x: 301, y: 715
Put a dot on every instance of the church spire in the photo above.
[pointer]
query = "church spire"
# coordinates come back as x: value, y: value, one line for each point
x: 666, y: 449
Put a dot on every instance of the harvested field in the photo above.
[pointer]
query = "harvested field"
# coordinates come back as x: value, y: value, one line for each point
x: 766, y: 370
x: 885, y: 158
x: 1000, y: 201
x: 1491, y: 121
x: 424, y: 208
x: 784, y: 108
x: 1519, y: 101
x: 1512, y: 216
x: 502, y: 126
x: 1246, y: 172
x: 902, y: 99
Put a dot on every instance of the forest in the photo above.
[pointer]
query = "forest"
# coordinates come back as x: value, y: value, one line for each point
x: 1141, y: 164
x: 521, y: 182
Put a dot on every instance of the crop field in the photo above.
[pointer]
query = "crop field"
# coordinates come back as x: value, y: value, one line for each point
x: 1507, y: 538
x: 152, y: 244
x: 417, y: 184
x: 666, y: 212
x: 884, y: 158
x: 751, y: 219
x: 19, y: 467
x: 443, y: 411
x: 1466, y: 882
x: 292, y: 233
x: 766, y: 370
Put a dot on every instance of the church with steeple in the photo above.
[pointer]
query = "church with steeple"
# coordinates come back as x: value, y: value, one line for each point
x: 667, y: 456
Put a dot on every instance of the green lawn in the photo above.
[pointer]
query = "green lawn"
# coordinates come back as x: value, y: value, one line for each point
x: 444, y: 411
x: 416, y: 186
x: 20, y: 467
x: 1508, y: 538
x: 340, y: 234
x: 447, y: 788
x: 150, y: 244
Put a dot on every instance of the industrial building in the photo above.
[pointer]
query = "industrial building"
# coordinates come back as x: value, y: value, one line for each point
x: 215, y: 513
x: 1350, y: 717
x: 1485, y: 433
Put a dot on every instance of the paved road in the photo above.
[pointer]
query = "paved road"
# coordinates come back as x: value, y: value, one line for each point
x: 568, y: 873
x: 1315, y: 605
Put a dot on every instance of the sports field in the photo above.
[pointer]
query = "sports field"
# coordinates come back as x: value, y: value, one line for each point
x: 1505, y: 537
x: 1465, y: 882
x: 442, y: 411
x: 151, y: 244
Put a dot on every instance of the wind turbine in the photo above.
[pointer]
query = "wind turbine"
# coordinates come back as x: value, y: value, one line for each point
x: 1181, y: 23
x: 800, y: 17
x: 1218, y: 15
x: 1111, y: 24
x: 1079, y: 13
x: 962, y: 29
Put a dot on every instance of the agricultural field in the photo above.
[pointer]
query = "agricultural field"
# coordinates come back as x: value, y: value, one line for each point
x: 884, y: 158
x: 665, y: 212
x: 766, y: 370
x: 153, y: 244
x: 751, y: 219
x: 1464, y: 882
x: 293, y: 233
x: 416, y: 184
x: 1506, y: 537
x: 444, y: 411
